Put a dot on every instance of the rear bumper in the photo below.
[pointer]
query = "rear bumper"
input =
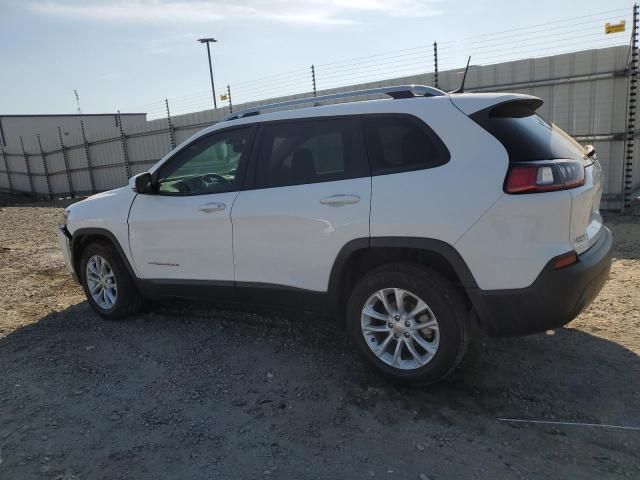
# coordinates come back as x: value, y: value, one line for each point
x: 554, y: 299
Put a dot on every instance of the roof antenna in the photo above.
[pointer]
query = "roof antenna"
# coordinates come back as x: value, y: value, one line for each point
x: 464, y: 77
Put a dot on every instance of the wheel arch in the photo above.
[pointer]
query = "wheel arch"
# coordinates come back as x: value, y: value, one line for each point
x: 360, y: 256
x: 84, y: 236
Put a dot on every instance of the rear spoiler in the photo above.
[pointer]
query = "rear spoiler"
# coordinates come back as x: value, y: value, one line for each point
x: 470, y: 103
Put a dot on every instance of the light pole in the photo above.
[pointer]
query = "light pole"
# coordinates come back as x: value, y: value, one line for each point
x: 213, y: 88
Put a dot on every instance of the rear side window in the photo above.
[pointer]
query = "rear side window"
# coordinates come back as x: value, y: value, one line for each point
x: 526, y: 135
x: 397, y: 143
x: 310, y: 151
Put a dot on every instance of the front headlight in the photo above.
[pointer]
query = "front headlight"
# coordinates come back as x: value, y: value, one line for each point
x: 64, y: 217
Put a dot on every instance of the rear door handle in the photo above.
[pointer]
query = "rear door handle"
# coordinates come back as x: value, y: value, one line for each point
x: 212, y: 207
x: 340, y: 200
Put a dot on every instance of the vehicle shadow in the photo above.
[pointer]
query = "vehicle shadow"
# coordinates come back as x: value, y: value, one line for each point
x: 175, y: 391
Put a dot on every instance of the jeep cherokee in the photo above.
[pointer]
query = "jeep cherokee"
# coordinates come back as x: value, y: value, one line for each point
x: 416, y: 218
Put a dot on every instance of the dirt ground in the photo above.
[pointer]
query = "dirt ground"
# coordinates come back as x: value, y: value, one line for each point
x: 194, y: 391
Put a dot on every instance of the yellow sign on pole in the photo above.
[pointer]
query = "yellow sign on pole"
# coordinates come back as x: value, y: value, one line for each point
x: 223, y: 96
x: 614, y: 27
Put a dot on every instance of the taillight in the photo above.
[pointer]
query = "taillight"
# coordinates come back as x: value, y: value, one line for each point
x: 573, y: 173
x: 544, y: 177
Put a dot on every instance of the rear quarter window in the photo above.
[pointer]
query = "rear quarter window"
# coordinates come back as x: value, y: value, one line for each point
x: 526, y: 135
x: 398, y: 143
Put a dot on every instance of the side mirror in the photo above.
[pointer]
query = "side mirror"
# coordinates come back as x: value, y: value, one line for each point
x: 141, y: 183
x: 590, y: 150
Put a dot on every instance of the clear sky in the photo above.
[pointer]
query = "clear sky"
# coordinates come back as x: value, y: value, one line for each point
x: 130, y: 55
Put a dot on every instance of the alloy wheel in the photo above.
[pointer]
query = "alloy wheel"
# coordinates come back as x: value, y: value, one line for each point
x: 101, y: 282
x: 400, y: 328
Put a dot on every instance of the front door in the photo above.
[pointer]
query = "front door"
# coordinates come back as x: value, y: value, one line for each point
x: 183, y: 230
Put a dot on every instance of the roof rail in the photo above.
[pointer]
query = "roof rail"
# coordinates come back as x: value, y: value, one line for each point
x: 398, y: 91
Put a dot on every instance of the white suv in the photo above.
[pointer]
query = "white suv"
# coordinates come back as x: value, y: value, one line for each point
x: 417, y: 217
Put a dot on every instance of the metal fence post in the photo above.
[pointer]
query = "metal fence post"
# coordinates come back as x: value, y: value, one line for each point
x: 87, y: 154
x: 435, y: 63
x: 26, y: 164
x: 66, y: 164
x: 6, y: 167
x: 229, y: 98
x: 313, y: 80
x: 45, y: 168
x: 627, y: 184
x: 125, y: 150
x: 172, y: 134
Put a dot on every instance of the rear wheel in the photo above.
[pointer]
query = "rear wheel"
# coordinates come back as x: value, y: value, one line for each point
x: 109, y: 287
x: 409, y: 322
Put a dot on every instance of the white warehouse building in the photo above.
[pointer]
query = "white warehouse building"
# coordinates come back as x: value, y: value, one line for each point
x: 12, y: 127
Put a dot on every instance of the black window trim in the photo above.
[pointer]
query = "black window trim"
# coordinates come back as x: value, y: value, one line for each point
x: 248, y: 164
x: 251, y: 177
x: 425, y: 129
x: 241, y: 174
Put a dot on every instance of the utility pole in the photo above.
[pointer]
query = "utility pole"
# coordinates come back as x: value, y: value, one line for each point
x: 213, y: 88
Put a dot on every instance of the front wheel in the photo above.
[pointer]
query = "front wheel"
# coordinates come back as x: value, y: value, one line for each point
x: 410, y: 322
x: 109, y: 287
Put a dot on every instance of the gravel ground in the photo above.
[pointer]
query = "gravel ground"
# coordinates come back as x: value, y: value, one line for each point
x: 194, y: 391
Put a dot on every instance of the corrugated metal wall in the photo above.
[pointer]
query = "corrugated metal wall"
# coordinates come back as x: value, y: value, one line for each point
x: 585, y: 93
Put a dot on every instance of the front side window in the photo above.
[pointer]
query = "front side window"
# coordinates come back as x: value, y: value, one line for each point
x: 310, y: 151
x: 402, y: 143
x: 208, y: 165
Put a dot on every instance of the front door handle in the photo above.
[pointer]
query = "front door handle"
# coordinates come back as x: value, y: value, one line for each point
x: 212, y: 207
x: 340, y: 200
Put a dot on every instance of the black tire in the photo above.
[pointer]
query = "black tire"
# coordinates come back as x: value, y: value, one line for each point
x: 128, y: 299
x: 445, y: 301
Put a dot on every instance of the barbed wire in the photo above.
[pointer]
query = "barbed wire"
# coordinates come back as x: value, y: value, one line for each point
x: 563, y: 20
x: 528, y: 41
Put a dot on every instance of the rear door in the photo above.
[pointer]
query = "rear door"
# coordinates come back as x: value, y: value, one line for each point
x: 310, y: 196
